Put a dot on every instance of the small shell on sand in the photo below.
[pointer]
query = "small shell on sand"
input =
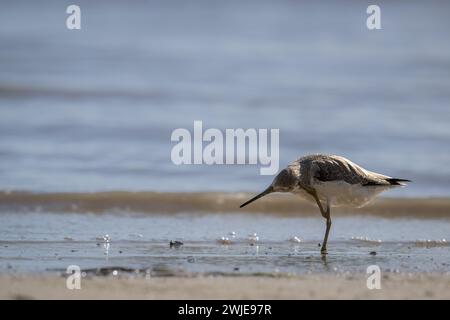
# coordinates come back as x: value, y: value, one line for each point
x: 253, y: 238
x: 224, y: 240
x: 432, y: 243
x: 295, y: 239
x: 175, y: 244
x: 366, y: 239
x: 105, y: 238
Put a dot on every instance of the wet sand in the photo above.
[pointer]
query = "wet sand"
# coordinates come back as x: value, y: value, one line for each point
x: 210, y: 202
x: 393, y: 286
x: 126, y: 253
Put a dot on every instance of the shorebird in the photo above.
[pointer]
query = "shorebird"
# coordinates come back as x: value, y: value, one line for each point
x: 330, y: 181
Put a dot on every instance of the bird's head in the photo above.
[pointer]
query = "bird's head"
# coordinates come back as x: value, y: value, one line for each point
x: 285, y: 181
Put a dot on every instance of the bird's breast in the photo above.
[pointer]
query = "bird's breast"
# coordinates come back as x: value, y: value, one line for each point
x: 303, y: 194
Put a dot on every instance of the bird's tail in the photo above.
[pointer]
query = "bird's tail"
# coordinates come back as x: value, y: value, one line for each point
x: 397, y: 182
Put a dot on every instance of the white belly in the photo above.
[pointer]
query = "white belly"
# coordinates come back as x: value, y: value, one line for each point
x: 344, y: 194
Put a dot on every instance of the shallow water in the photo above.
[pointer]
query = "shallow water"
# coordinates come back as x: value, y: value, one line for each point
x: 40, y: 242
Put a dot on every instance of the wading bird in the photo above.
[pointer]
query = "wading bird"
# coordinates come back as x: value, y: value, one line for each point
x: 330, y: 181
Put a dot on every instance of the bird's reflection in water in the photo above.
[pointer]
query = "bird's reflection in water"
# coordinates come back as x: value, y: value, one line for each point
x: 325, y: 262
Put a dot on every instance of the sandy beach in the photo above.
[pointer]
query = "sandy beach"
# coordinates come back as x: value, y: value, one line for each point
x: 207, y: 202
x: 393, y: 286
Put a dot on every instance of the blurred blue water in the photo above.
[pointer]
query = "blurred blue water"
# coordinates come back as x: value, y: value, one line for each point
x: 94, y: 109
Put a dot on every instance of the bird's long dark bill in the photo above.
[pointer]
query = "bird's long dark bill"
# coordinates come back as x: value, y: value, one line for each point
x: 262, y: 194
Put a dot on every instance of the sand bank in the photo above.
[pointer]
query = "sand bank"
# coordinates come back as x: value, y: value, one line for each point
x: 209, y: 202
x: 317, y: 286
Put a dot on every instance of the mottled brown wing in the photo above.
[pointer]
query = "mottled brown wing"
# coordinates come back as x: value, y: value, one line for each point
x: 334, y: 168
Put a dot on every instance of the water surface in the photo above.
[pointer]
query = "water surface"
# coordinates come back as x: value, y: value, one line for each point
x: 43, y: 243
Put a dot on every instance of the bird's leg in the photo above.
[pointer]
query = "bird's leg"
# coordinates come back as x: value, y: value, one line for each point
x: 323, y: 250
x: 326, y: 215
